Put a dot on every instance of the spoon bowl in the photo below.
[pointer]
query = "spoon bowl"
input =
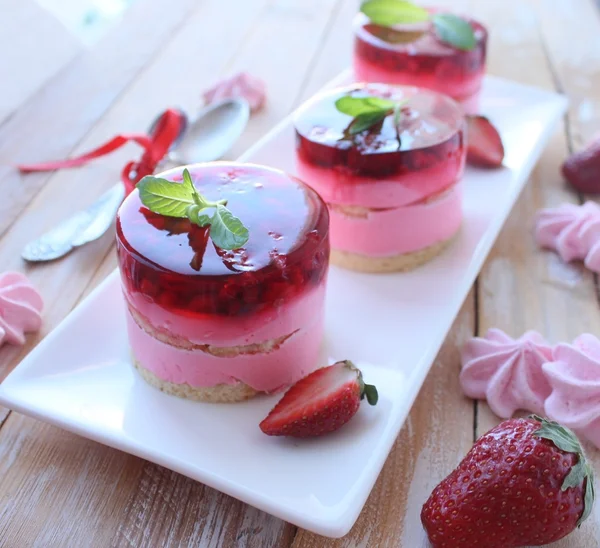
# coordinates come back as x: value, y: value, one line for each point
x: 216, y: 128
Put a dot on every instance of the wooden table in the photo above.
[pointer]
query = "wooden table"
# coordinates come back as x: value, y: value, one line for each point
x: 58, y: 98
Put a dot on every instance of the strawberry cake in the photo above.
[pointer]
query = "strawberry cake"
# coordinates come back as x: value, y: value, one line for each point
x: 220, y: 325
x: 393, y: 188
x: 414, y: 54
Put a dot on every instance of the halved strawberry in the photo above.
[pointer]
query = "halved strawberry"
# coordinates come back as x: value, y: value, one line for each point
x: 320, y: 403
x: 484, y: 144
x: 582, y: 169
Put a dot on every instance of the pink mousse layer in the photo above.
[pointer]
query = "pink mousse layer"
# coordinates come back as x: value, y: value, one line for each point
x: 266, y: 372
x: 389, y: 232
x: 465, y: 92
x: 340, y: 186
x: 216, y: 330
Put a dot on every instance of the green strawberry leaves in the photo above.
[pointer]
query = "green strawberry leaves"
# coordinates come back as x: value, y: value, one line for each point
x: 581, y: 472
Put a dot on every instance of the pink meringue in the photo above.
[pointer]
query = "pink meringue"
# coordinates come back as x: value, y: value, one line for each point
x: 20, y: 308
x: 573, y: 231
x: 574, y: 375
x: 241, y: 84
x: 506, y: 372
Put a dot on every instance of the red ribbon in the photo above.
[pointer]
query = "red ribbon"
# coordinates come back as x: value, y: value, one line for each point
x: 155, y: 147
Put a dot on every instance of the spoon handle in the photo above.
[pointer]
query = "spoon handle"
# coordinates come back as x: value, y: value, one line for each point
x: 83, y: 227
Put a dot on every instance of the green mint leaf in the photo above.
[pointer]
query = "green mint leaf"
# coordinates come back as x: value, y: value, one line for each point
x: 196, y: 214
x: 165, y: 197
x: 188, y: 182
x: 226, y: 230
x: 354, y: 106
x: 393, y: 12
x: 366, y: 121
x: 455, y: 31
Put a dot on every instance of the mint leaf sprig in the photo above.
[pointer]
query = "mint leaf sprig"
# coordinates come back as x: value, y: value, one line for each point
x: 366, y: 112
x: 451, y: 29
x: 183, y: 200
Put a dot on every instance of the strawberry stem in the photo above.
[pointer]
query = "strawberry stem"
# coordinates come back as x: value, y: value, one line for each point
x: 581, y: 472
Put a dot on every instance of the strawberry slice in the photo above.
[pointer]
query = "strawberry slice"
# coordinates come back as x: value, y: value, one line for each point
x: 484, y: 144
x: 582, y: 169
x: 320, y: 403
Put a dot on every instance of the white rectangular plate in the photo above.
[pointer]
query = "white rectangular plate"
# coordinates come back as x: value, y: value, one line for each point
x: 80, y: 377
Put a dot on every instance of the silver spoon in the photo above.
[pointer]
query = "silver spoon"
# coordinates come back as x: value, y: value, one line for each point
x: 208, y: 138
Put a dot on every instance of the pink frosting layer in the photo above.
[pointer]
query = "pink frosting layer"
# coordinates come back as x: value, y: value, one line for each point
x: 389, y: 232
x: 20, y: 308
x: 232, y: 330
x: 573, y: 231
x: 574, y: 375
x: 507, y: 372
x: 267, y: 372
x: 340, y: 186
x: 466, y: 92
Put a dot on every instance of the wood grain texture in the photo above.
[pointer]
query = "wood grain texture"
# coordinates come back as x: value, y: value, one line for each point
x: 24, y: 66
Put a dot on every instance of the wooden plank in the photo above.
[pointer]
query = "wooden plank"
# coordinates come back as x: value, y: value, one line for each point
x: 69, y: 478
x: 171, y: 510
x: 60, y: 114
x: 24, y: 65
x: 437, y: 433
x: 280, y: 50
x: 522, y: 287
x: 571, y: 38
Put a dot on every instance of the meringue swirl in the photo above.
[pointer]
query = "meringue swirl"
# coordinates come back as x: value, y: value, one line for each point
x: 574, y: 375
x: 506, y: 371
x: 20, y: 308
x: 573, y: 231
x: 241, y: 84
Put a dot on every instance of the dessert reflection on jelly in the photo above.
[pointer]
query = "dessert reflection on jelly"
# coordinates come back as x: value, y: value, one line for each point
x: 392, y: 189
x: 414, y: 55
x: 220, y: 325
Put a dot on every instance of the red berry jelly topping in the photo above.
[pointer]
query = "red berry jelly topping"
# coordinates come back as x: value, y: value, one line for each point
x: 173, y: 262
x: 430, y: 131
x: 414, y: 55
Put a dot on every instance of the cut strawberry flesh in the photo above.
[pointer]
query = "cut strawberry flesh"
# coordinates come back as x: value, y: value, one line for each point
x: 484, y: 144
x: 313, y: 392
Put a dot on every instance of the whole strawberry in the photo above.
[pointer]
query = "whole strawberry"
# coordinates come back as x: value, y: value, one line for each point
x: 582, y: 169
x: 524, y: 483
x: 320, y: 403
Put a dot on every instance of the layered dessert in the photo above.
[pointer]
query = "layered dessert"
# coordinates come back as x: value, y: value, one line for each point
x: 216, y: 324
x: 387, y: 160
x: 415, y: 54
